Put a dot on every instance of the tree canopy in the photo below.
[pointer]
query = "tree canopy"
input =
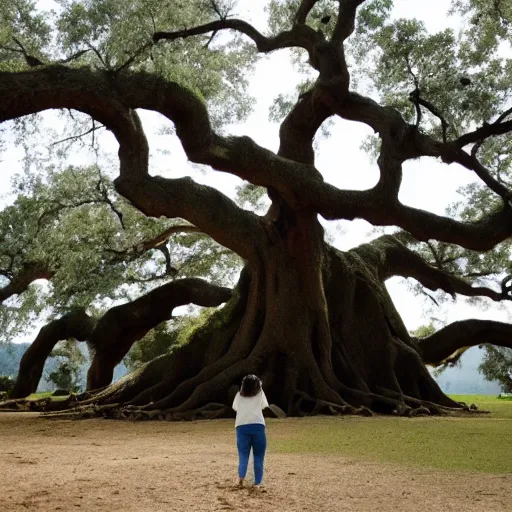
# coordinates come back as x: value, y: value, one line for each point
x: 71, y: 228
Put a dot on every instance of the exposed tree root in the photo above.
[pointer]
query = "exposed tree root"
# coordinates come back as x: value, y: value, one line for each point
x: 40, y: 405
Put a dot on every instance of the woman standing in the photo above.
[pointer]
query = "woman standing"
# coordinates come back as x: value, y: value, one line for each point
x: 250, y: 427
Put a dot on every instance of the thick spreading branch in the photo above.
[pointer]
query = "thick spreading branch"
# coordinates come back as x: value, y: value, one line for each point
x: 301, y: 185
x: 77, y: 325
x: 116, y: 331
x: 393, y: 258
x: 447, y: 344
x: 301, y: 36
x: 22, y: 280
x: 112, y: 103
x: 406, y: 140
x: 346, y: 19
x: 298, y: 129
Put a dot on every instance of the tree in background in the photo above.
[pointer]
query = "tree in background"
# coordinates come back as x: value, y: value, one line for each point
x: 71, y: 229
x: 69, y: 363
x: 497, y: 366
x: 6, y: 384
x: 318, y: 324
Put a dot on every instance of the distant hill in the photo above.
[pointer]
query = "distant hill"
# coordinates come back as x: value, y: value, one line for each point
x: 463, y: 380
x: 11, y: 354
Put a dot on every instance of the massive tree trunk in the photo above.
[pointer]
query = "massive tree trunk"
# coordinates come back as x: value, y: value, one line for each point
x: 315, y: 323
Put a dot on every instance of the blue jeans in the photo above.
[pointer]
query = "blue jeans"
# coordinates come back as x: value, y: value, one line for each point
x: 247, y: 437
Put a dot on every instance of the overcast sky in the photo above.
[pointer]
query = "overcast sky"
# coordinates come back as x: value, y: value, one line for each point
x: 427, y: 183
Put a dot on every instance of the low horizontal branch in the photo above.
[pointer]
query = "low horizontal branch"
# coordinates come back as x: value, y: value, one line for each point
x: 77, y: 324
x: 450, y: 340
x: 393, y: 258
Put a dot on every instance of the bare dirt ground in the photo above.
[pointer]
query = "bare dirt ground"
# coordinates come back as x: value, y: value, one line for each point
x: 101, y: 465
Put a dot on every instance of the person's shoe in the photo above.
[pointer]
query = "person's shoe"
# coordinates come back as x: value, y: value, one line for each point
x: 241, y: 482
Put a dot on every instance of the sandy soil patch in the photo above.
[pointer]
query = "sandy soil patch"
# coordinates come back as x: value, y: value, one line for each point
x: 100, y: 465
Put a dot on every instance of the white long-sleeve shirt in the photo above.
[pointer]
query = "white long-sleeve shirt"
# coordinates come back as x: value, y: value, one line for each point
x: 249, y: 409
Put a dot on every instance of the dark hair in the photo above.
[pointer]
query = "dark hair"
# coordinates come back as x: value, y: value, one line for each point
x: 251, y: 386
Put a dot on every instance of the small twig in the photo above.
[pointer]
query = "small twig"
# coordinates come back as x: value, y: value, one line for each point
x: 100, y: 187
x: 429, y: 106
x: 437, y: 259
x: 216, y: 9
x: 98, y: 54
x: 482, y: 273
x: 93, y: 132
x: 153, y: 20
x: 417, y: 100
x: 169, y: 269
x: 79, y: 136
x: 75, y: 56
x: 30, y: 59
x: 214, y: 33
x: 9, y: 49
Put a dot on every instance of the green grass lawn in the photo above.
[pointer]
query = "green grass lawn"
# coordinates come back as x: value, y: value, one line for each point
x: 464, y: 443
x: 38, y: 396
